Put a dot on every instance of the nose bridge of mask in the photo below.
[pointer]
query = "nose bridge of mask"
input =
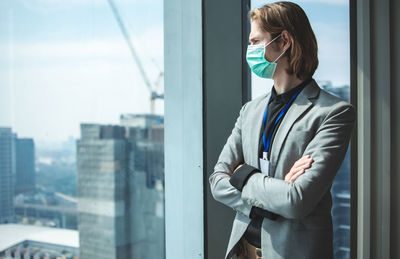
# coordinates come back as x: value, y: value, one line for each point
x: 264, y: 45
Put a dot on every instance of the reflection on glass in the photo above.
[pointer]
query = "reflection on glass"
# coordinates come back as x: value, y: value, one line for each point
x: 341, y: 191
x: 333, y: 74
x: 81, y: 129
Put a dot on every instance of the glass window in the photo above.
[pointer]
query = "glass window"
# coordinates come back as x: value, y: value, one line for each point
x: 333, y: 74
x: 82, y: 128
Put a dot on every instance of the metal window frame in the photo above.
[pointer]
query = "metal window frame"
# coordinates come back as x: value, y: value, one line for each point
x: 372, y: 94
x: 183, y: 81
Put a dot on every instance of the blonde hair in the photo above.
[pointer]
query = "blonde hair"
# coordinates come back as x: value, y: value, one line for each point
x: 303, y: 52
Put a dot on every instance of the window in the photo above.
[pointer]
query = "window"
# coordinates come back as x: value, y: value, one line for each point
x: 82, y: 127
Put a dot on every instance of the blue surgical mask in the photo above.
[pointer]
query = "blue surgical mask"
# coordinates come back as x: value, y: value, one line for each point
x: 256, y: 59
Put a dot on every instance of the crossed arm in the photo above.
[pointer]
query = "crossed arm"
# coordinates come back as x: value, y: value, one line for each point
x: 303, y: 186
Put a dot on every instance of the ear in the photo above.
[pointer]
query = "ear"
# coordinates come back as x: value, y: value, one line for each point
x: 286, y: 40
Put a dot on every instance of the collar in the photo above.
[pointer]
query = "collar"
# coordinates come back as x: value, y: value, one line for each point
x: 287, y: 96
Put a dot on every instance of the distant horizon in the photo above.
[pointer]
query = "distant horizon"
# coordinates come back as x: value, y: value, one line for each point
x: 60, y: 141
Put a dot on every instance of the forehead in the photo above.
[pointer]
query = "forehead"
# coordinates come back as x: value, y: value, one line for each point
x: 257, y: 32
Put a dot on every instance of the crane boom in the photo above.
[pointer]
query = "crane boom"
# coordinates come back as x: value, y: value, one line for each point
x: 130, y: 45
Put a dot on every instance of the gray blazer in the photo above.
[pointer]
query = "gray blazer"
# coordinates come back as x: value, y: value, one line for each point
x: 317, y: 124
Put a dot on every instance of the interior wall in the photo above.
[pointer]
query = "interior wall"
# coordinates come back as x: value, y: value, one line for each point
x: 225, y: 90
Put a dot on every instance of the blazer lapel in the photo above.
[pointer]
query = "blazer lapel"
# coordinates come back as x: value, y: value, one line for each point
x: 300, y: 105
x: 257, y: 122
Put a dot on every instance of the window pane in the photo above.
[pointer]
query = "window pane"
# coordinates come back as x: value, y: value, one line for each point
x: 82, y: 128
x: 333, y: 74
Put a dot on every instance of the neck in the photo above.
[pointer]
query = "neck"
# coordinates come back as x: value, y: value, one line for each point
x: 285, y: 82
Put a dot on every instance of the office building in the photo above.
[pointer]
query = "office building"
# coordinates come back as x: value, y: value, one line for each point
x: 120, y: 196
x: 25, y: 166
x: 6, y: 176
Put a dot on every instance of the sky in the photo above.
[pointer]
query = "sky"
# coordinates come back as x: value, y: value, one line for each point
x: 65, y: 62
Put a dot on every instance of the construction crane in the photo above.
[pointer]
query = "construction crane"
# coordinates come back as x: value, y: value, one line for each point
x: 151, y: 87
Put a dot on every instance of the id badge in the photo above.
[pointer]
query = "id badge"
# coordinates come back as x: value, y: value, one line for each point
x: 264, y: 165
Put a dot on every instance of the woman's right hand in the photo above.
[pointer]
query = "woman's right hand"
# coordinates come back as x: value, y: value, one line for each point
x: 299, y: 168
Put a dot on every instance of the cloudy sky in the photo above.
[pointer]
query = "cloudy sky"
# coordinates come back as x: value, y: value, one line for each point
x: 64, y: 62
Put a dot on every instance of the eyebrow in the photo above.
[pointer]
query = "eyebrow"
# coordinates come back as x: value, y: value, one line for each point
x: 253, y: 38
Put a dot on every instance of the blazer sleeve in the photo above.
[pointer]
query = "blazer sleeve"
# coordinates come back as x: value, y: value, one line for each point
x: 297, y: 199
x: 231, y: 156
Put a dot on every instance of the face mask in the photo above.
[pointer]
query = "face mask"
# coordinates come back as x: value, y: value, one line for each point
x: 257, y: 63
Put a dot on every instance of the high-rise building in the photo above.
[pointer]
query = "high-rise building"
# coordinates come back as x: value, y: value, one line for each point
x: 341, y: 192
x: 146, y: 186
x: 6, y: 176
x: 102, y: 208
x: 25, y: 166
x: 121, y: 190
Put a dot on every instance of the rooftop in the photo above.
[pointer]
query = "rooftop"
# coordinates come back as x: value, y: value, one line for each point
x: 13, y: 234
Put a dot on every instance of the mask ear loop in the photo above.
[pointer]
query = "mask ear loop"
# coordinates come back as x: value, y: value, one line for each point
x: 279, y: 56
x: 265, y: 46
x: 273, y: 40
x: 270, y: 43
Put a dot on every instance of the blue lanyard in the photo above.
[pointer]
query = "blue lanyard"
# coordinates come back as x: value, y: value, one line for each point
x: 284, y: 110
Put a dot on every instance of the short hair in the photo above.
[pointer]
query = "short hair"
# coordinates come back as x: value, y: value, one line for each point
x: 303, y: 52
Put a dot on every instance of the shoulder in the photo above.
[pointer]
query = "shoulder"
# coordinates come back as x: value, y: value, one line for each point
x: 329, y: 105
x: 251, y: 105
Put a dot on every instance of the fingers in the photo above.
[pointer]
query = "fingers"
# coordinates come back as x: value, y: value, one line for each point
x: 304, y: 165
x: 294, y: 177
x: 305, y: 160
x: 299, y: 168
